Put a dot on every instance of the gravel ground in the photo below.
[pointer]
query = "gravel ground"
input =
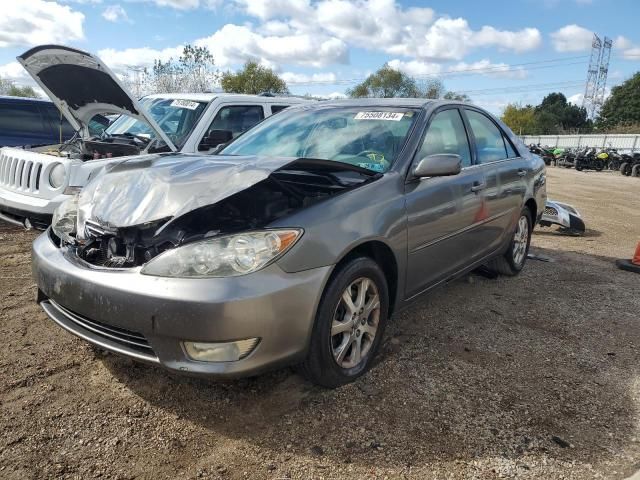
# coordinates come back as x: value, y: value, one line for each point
x: 527, y: 377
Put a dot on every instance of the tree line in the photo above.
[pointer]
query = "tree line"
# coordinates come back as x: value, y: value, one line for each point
x: 195, y: 71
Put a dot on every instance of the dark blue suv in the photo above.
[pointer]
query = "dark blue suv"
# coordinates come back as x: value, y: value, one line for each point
x: 32, y: 122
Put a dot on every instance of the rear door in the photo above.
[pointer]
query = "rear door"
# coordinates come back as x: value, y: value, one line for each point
x: 442, y: 211
x: 22, y: 124
x: 504, y: 172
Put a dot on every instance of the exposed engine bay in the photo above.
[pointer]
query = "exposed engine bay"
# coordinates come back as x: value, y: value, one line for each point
x: 106, y: 146
x: 297, y: 185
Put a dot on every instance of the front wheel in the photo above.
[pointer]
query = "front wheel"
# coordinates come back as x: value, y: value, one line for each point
x: 625, y: 169
x: 635, y: 170
x: 513, y: 260
x: 349, y: 324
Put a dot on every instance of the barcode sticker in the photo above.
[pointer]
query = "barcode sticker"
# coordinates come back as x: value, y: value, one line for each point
x: 185, y: 104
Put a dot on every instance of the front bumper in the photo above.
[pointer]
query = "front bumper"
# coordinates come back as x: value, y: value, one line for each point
x: 121, y: 310
x: 16, y: 208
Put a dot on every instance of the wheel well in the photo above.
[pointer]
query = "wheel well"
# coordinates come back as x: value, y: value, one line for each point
x: 383, y: 256
x: 533, y: 209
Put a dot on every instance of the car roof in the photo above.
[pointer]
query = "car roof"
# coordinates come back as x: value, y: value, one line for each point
x: 24, y: 99
x: 208, y: 97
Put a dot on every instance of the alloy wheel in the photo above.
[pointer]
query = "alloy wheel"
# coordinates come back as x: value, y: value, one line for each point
x: 355, y: 323
x: 520, y: 240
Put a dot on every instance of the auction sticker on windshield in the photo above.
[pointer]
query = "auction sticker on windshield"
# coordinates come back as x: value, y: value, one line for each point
x: 393, y: 116
x: 184, y: 104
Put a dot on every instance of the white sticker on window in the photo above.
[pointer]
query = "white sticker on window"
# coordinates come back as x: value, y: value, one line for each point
x: 393, y: 116
x: 185, y: 104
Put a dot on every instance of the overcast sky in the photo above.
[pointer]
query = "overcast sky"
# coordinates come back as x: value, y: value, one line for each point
x: 497, y: 52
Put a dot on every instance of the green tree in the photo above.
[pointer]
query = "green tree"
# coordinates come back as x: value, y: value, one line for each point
x: 519, y: 119
x: 253, y: 79
x: 556, y: 115
x: 388, y: 82
x: 7, y: 87
x: 623, y: 105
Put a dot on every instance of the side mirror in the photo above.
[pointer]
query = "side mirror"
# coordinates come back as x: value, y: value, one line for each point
x: 438, y: 165
x: 215, y: 138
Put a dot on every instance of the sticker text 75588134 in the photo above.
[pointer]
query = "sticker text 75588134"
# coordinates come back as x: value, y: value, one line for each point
x: 393, y: 116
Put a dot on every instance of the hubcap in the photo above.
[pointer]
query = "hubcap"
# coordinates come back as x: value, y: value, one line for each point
x: 355, y: 323
x: 520, y: 240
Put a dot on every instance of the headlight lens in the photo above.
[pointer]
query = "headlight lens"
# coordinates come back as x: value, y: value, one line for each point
x: 226, y: 256
x: 56, y: 175
x: 65, y: 219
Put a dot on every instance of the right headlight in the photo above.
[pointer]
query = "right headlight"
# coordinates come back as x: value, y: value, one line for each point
x: 226, y: 256
x: 65, y: 219
x: 56, y: 175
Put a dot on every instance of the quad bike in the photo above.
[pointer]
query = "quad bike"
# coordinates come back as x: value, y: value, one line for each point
x: 567, y: 217
x: 630, y: 165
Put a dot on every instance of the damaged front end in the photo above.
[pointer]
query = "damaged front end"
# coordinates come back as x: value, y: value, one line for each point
x: 214, y: 211
x: 567, y: 217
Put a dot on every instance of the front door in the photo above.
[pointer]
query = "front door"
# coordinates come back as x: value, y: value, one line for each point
x: 442, y: 211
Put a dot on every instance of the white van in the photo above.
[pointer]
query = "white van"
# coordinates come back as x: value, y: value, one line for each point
x: 33, y: 182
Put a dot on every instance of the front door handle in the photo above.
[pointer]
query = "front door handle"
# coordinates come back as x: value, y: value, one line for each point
x: 477, y: 186
x: 522, y: 172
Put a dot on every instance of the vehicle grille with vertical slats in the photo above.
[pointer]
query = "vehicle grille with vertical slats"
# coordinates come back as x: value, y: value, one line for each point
x: 19, y: 174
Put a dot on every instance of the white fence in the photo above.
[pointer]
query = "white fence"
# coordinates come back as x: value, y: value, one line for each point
x: 622, y: 142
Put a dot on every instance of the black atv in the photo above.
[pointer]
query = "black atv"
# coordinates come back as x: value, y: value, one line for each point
x: 630, y: 165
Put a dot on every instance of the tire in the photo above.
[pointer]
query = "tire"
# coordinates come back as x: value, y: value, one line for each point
x: 510, y: 263
x: 635, y: 171
x: 321, y: 365
x: 579, y: 166
x: 624, y: 167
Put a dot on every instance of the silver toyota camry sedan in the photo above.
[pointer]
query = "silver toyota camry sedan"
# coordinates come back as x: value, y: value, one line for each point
x: 293, y: 245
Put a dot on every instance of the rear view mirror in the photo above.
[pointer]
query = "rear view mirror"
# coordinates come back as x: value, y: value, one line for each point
x: 438, y: 165
x: 215, y: 138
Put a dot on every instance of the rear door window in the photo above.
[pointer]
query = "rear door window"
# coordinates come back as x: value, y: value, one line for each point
x: 22, y: 118
x: 237, y: 118
x: 489, y: 140
x: 277, y: 108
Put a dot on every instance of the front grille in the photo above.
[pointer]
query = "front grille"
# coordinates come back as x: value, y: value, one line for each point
x: 127, y: 338
x: 550, y: 211
x: 19, y: 174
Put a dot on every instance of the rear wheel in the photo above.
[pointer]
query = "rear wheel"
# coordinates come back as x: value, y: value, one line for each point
x: 513, y: 260
x: 625, y: 169
x: 349, y: 324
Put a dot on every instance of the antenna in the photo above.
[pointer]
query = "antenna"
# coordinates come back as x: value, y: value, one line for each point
x: 592, y: 75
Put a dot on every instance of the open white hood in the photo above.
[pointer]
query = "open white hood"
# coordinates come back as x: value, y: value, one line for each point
x: 81, y: 86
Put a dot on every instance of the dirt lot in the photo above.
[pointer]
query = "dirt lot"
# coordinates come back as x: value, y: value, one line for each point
x: 532, y: 377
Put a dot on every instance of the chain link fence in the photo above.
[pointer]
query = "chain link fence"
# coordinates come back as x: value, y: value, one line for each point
x: 623, y: 142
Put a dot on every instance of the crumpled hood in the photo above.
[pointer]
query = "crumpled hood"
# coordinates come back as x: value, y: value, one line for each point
x: 154, y: 187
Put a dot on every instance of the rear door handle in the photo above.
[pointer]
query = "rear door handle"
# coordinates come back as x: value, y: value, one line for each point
x: 477, y: 186
x: 522, y: 172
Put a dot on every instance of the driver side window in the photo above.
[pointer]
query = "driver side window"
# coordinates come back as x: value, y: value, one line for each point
x: 446, y: 134
x: 237, y: 118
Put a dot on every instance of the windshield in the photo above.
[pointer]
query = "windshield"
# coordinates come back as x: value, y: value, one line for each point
x: 176, y: 118
x: 370, y: 137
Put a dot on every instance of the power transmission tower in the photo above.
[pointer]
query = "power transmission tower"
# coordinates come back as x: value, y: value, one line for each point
x: 597, y: 75
x: 598, y: 99
x: 592, y: 75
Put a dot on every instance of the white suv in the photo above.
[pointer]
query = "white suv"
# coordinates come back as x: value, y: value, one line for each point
x: 34, y: 182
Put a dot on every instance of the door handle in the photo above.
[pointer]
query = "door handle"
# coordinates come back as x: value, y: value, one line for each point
x: 522, y: 172
x: 477, y: 186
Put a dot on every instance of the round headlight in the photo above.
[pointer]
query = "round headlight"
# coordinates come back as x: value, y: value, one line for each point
x: 56, y: 176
